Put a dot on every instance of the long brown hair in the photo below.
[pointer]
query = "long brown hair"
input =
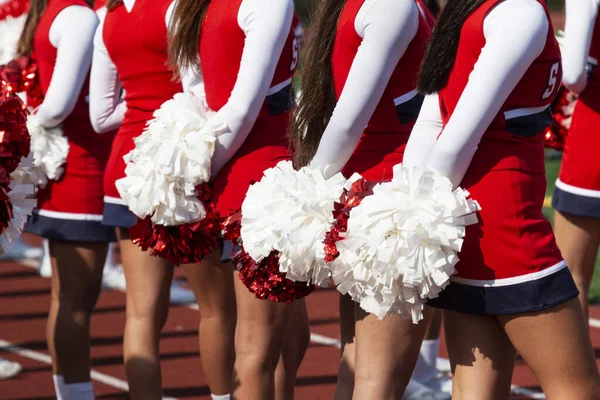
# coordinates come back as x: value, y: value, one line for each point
x: 318, y: 99
x: 443, y: 44
x: 184, y: 33
x: 112, y: 4
x: 36, y: 9
x: 25, y: 43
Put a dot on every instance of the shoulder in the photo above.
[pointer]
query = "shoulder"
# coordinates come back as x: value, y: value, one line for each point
x: 525, y: 18
x: 275, y: 10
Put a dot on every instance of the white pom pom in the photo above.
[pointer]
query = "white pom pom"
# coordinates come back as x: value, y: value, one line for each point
x: 49, y: 148
x: 21, y: 196
x: 171, y: 157
x: 291, y: 211
x: 10, y: 32
x: 402, y: 242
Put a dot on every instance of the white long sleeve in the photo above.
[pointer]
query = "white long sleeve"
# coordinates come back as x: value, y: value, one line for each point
x: 515, y: 33
x: 107, y: 109
x: 72, y: 33
x: 266, y: 25
x: 387, y: 28
x: 579, y: 27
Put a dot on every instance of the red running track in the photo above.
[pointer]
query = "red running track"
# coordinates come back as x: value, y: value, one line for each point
x: 24, y: 299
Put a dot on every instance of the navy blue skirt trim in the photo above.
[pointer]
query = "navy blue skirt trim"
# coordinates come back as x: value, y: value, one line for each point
x: 69, y: 230
x: 536, y: 295
x: 118, y: 215
x: 575, y: 204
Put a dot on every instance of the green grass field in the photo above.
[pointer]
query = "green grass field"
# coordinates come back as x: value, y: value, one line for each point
x: 552, y: 167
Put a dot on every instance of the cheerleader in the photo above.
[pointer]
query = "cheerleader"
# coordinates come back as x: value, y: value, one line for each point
x: 131, y: 54
x: 360, y: 70
x: 576, y: 199
x: 60, y: 33
x: 249, y: 86
x: 491, y: 70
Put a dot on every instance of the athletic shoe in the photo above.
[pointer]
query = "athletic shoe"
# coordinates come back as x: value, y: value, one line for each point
x: 21, y: 251
x: 181, y: 295
x: 9, y: 369
x: 418, y: 391
x: 441, y: 383
x: 113, y: 277
x: 443, y: 365
x: 45, y: 263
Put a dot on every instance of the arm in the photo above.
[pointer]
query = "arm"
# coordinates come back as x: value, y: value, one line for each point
x: 425, y: 133
x: 387, y: 28
x: 71, y: 33
x: 107, y: 109
x: 515, y: 32
x: 579, y: 27
x: 266, y: 24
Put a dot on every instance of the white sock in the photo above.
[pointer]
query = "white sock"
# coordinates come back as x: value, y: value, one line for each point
x: 80, y: 391
x: 220, y: 396
x: 60, y: 388
x: 110, y: 259
x: 426, y: 369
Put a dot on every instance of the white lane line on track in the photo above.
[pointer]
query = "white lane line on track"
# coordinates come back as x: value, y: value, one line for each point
x: 532, y: 394
x: 595, y: 323
x: 45, y: 359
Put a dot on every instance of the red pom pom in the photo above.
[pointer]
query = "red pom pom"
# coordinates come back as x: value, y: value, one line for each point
x: 13, y: 8
x: 182, y: 244
x: 341, y: 212
x: 263, y: 279
x: 14, y: 137
x: 562, y: 110
x: 20, y: 75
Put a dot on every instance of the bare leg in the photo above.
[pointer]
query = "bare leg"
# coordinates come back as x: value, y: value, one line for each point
x: 578, y: 239
x: 556, y: 345
x: 294, y: 349
x: 260, y: 335
x: 386, y: 353
x: 76, y: 280
x: 212, y: 283
x: 148, y: 282
x: 345, y: 383
x: 481, y: 354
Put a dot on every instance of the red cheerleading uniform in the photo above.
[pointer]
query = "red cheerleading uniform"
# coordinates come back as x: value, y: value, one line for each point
x: 71, y: 207
x: 266, y: 144
x: 136, y: 42
x: 578, y: 185
x: 509, y: 262
x: 384, y: 140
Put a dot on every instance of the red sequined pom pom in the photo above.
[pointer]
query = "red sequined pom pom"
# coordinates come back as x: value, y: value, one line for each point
x: 181, y: 244
x: 341, y: 212
x: 562, y: 110
x: 262, y: 279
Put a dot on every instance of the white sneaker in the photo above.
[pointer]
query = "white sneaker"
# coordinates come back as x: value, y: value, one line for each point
x: 443, y: 365
x: 418, y: 391
x: 9, y: 369
x: 181, y: 295
x: 45, y: 263
x: 441, y: 383
x: 21, y: 251
x: 113, y: 277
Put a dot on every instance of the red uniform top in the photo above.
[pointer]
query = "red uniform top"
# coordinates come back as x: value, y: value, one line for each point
x: 266, y: 143
x: 98, y: 4
x: 517, y: 133
x: 141, y: 59
x: 77, y: 125
x: 595, y: 48
x: 400, y: 104
x: 507, y: 173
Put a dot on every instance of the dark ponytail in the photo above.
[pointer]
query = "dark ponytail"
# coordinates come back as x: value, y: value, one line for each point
x: 318, y: 99
x: 36, y: 9
x: 184, y: 33
x: 443, y: 44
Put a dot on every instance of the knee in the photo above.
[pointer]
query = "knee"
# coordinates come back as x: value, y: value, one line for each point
x: 78, y: 305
